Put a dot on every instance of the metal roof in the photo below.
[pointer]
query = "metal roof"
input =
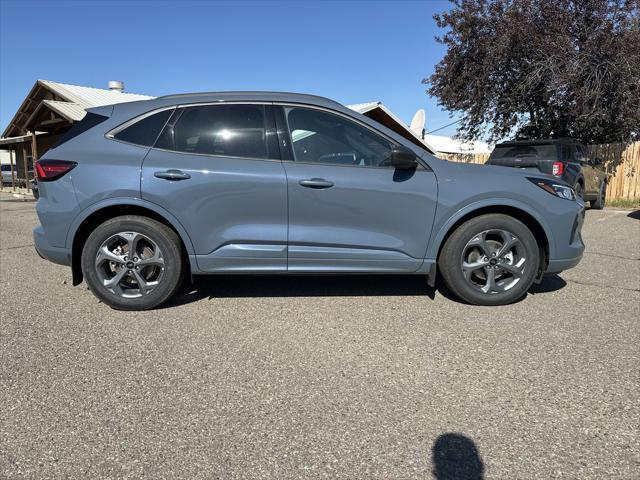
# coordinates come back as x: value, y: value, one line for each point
x: 69, y: 101
x: 363, y: 107
x: 69, y: 110
x: 88, y: 97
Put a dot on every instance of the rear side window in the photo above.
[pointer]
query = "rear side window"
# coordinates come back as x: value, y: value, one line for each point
x: 226, y: 130
x: 90, y: 120
x: 144, y: 132
x: 547, y: 151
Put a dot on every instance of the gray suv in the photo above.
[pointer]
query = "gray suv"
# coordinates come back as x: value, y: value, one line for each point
x: 139, y: 195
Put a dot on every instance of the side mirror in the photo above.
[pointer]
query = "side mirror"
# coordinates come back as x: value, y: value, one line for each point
x: 403, y: 158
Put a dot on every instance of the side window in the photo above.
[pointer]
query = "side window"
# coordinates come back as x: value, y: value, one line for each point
x: 145, y: 131
x: 322, y: 137
x: 228, y: 130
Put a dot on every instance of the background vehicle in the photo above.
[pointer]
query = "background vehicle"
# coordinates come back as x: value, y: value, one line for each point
x: 138, y: 195
x: 5, y: 168
x: 6, y: 173
x: 563, y: 158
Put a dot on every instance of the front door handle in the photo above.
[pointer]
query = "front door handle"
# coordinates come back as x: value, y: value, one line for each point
x: 172, y: 175
x: 316, y: 183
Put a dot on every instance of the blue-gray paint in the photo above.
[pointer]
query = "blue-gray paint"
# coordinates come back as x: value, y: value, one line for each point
x: 252, y: 215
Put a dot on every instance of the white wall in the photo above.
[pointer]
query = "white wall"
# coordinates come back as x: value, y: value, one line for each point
x: 4, y: 156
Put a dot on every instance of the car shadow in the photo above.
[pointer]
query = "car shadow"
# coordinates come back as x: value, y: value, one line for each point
x: 456, y: 457
x: 252, y: 286
x: 635, y: 215
x: 550, y: 283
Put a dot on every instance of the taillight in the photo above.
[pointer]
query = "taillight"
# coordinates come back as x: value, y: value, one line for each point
x: 48, y: 170
x: 558, y: 168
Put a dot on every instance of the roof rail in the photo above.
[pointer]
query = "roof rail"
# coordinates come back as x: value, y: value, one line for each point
x: 243, y: 92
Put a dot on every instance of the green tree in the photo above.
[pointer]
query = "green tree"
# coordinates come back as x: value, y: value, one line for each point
x: 541, y: 68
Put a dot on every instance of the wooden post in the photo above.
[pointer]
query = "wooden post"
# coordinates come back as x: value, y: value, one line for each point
x: 34, y: 154
x: 25, y: 166
x: 13, y: 171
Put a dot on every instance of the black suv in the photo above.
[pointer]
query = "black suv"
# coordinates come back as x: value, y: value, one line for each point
x: 564, y: 158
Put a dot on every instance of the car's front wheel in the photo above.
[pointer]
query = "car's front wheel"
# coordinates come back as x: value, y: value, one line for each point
x: 490, y: 260
x: 132, y: 262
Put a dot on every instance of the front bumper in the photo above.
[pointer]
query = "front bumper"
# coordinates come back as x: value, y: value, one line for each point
x: 557, y: 266
x: 570, y: 246
x: 59, y: 255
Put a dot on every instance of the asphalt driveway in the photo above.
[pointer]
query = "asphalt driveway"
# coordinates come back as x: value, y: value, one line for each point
x: 322, y: 377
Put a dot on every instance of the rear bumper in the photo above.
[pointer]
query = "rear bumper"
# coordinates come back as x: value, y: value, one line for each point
x: 59, y: 255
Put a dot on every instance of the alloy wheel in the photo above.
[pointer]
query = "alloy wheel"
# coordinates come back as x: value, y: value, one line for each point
x: 129, y: 264
x: 493, y: 261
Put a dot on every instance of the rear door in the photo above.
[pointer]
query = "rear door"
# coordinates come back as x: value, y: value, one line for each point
x: 349, y: 209
x: 217, y: 169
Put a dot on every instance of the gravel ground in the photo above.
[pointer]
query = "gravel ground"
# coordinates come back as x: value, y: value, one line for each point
x: 322, y: 377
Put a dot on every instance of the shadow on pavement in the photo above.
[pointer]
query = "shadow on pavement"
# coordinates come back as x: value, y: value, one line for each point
x: 550, y: 283
x: 246, y: 286
x: 251, y: 286
x: 635, y: 215
x: 456, y: 457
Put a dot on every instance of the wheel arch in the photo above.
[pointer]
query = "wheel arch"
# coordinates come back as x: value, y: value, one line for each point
x: 533, y: 221
x: 93, y: 216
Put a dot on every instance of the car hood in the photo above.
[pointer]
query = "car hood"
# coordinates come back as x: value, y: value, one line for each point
x: 448, y: 170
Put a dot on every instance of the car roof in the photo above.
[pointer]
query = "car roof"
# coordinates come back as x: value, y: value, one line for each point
x: 244, y: 96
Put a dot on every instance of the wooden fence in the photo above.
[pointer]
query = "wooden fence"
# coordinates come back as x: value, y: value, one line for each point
x: 621, y: 162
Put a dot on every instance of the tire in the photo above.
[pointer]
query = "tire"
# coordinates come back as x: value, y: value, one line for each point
x: 112, y: 275
x: 598, y: 203
x: 473, y: 243
x: 579, y: 190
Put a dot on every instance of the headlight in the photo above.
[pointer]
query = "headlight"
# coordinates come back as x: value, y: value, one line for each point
x: 562, y: 191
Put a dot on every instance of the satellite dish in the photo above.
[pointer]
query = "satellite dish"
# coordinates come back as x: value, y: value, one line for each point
x: 417, y: 123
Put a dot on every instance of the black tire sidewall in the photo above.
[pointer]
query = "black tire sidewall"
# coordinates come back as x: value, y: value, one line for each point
x: 449, y: 260
x: 167, y: 241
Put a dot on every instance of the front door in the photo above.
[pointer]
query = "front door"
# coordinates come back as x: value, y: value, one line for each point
x: 215, y: 170
x: 349, y: 210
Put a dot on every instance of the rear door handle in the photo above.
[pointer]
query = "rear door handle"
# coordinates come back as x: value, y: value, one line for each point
x: 316, y: 183
x: 172, y: 175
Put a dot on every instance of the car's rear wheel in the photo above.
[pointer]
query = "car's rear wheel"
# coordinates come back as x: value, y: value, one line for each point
x: 490, y: 260
x: 132, y: 262
x: 598, y: 203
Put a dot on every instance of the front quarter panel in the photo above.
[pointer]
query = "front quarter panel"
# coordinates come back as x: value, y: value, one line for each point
x: 463, y: 189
